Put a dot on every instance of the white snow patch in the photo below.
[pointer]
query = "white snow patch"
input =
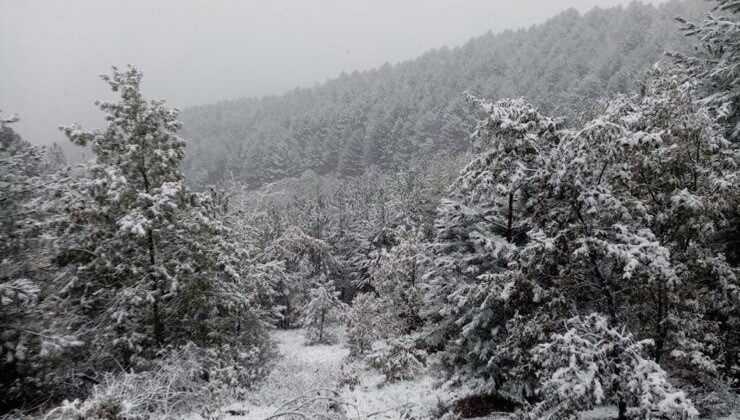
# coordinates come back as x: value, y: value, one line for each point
x: 305, y: 370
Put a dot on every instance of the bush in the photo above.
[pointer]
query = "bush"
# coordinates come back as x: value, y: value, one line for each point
x: 594, y: 363
x: 323, y: 308
x: 400, y: 361
x: 348, y: 378
x: 362, y: 324
x: 185, y: 380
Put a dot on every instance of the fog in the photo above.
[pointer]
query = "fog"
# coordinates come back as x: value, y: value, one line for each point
x: 488, y: 209
x: 195, y: 52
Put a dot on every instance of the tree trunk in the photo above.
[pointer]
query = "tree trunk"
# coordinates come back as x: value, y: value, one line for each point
x: 660, y: 328
x: 157, y: 323
x: 321, y: 328
x: 510, y: 222
x: 622, y: 409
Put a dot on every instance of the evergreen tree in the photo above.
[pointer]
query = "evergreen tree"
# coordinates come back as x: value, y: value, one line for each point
x: 323, y: 302
x: 396, y: 279
x: 618, y: 217
x: 592, y: 364
x: 716, y: 65
x: 33, y: 329
x: 149, y: 266
x: 304, y: 258
x: 476, y: 284
x: 365, y: 323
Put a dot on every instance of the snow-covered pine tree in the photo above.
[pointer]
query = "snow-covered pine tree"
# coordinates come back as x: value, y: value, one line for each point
x: 304, y: 258
x: 261, y: 273
x: 323, y: 305
x: 618, y: 217
x: 148, y: 267
x: 396, y: 279
x: 683, y: 189
x: 635, y: 199
x: 33, y: 334
x: 593, y: 363
x: 716, y: 65
x: 20, y: 165
x: 476, y: 285
x: 364, y: 323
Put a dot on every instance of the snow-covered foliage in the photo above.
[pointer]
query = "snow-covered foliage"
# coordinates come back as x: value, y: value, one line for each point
x: 364, y: 323
x: 476, y: 284
x: 322, y: 309
x: 305, y: 259
x: 592, y: 364
x: 183, y: 381
x: 579, y: 264
x: 646, y: 222
x: 352, y: 221
x: 392, y: 307
x: 396, y: 279
x: 33, y: 330
x: 716, y: 65
x: 400, y: 360
x: 147, y: 265
x: 621, y: 216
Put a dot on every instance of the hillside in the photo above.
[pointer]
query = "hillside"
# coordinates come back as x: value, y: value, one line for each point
x: 394, y: 113
x: 415, y: 241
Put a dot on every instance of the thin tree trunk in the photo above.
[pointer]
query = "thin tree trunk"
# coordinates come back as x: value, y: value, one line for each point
x: 622, y: 409
x: 660, y: 330
x: 509, y: 232
x: 151, y: 247
x: 321, y: 328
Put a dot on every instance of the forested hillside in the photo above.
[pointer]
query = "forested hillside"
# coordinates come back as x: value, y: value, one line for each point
x: 424, y: 254
x: 396, y: 113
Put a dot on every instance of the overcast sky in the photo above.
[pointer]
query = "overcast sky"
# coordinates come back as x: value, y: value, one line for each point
x: 199, y: 51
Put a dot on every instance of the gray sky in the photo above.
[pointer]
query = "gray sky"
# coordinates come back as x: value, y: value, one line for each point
x: 199, y: 51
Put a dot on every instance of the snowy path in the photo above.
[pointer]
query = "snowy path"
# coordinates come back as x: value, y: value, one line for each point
x: 302, y: 370
x: 299, y: 369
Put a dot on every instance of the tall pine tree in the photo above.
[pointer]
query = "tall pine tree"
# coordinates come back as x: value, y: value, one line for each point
x: 150, y: 267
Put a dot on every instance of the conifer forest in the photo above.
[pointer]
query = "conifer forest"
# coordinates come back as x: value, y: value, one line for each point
x: 542, y: 222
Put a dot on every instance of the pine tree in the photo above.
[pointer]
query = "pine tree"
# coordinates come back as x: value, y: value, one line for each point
x: 34, y: 334
x: 716, y: 65
x: 396, y: 279
x: 149, y: 266
x: 323, y: 302
x: 593, y: 364
x: 305, y: 258
x: 634, y: 201
x: 365, y: 323
x: 619, y: 217
x: 476, y: 285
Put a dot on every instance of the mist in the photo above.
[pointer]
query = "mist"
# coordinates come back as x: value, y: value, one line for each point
x: 196, y: 52
x: 396, y: 209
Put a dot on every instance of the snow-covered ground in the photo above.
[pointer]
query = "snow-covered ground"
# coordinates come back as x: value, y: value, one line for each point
x: 307, y: 371
x: 303, y: 373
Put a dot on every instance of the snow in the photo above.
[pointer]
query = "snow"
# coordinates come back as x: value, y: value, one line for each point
x: 305, y: 370
x: 302, y: 370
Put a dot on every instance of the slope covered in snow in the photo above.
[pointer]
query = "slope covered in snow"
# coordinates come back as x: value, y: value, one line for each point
x: 302, y: 373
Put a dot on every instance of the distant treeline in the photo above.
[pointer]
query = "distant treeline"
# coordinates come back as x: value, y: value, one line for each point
x: 395, y: 114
